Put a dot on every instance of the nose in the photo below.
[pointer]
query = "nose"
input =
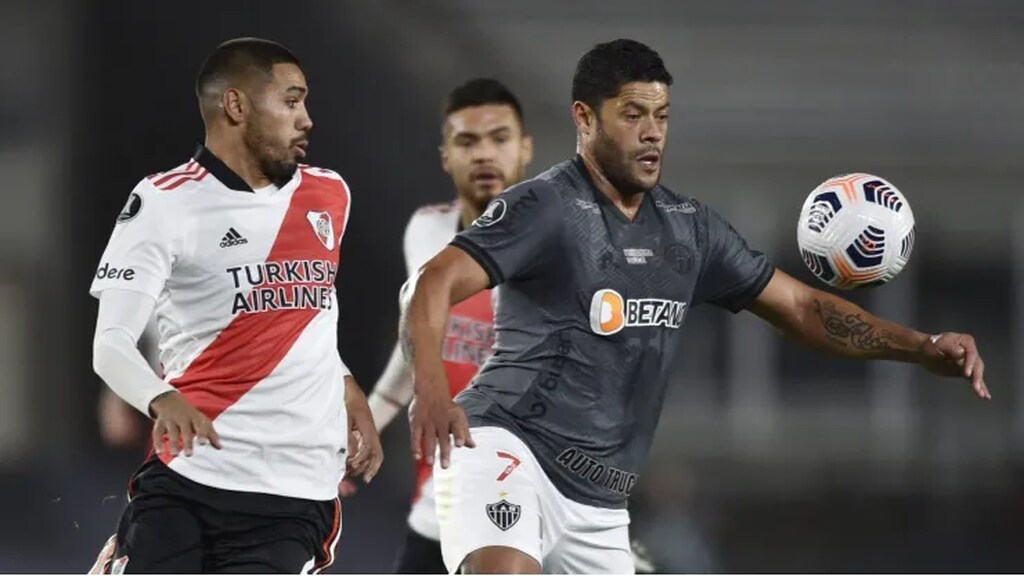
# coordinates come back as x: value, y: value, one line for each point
x: 304, y: 122
x: 484, y: 152
x: 651, y: 131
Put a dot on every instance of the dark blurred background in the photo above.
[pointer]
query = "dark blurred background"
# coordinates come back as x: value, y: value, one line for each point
x: 769, y: 458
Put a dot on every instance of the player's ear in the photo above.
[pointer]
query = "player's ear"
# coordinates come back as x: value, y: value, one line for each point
x: 584, y: 117
x: 444, y: 159
x: 236, y: 105
x: 526, y: 149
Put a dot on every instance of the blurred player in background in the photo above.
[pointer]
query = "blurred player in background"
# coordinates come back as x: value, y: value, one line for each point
x: 485, y: 149
x: 596, y: 265
x: 256, y: 417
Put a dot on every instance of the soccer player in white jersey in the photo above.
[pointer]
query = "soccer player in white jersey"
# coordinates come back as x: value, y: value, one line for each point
x: 484, y: 149
x: 256, y: 417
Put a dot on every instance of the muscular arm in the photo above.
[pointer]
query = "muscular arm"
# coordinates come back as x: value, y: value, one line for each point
x: 447, y: 279
x: 444, y: 281
x: 838, y: 326
x: 833, y: 324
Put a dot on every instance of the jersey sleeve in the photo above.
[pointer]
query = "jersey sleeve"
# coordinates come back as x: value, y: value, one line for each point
x: 141, y: 249
x: 515, y: 232
x: 732, y: 274
x: 413, y: 250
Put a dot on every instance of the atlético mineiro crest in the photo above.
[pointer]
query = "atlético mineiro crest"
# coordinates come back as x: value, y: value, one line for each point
x: 504, y: 514
x: 322, y: 227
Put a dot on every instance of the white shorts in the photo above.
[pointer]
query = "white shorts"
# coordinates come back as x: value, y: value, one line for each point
x: 423, y: 515
x: 497, y: 495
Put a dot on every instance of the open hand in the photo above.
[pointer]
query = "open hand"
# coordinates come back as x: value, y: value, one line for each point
x: 180, y: 423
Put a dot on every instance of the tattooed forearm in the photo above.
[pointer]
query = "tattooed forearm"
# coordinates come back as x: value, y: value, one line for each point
x: 849, y: 330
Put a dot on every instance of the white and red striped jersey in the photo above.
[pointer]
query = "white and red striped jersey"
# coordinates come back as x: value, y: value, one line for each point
x: 247, y: 315
x: 468, y: 340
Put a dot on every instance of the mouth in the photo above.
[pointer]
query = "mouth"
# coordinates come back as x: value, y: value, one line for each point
x: 486, y: 177
x: 300, y: 148
x: 649, y: 161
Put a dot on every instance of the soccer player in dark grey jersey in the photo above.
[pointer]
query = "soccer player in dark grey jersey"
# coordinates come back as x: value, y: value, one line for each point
x: 596, y: 266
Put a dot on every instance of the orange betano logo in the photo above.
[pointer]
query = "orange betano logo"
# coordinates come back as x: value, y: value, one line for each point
x: 610, y: 312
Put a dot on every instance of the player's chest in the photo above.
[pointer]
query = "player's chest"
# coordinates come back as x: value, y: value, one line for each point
x: 651, y: 256
x: 272, y: 240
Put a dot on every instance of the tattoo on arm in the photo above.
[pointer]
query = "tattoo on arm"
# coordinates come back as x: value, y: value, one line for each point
x: 850, y: 330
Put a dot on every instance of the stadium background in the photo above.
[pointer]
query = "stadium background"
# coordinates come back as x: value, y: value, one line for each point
x: 768, y: 458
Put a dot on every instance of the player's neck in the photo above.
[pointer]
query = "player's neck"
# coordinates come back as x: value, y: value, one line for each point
x: 238, y: 159
x: 628, y: 204
x: 468, y: 213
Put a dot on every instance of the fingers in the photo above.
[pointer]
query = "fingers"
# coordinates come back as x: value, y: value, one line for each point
x: 430, y: 443
x: 173, y: 437
x: 158, y: 436
x: 358, y: 464
x: 978, y: 380
x: 461, y: 431
x: 187, y: 433
x: 969, y: 356
x: 444, y: 441
x: 417, y: 441
x: 347, y: 489
x: 214, y: 438
x: 374, y: 465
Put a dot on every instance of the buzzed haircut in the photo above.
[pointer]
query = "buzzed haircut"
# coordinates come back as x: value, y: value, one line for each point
x: 480, y: 92
x: 606, y: 68
x: 235, y: 58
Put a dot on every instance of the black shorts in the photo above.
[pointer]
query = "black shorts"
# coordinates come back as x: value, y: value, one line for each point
x: 420, y: 555
x: 174, y: 525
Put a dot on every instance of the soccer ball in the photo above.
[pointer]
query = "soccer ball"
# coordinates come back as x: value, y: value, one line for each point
x: 855, y: 230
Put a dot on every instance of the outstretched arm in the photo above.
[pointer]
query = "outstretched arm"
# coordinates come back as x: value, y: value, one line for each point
x: 447, y: 279
x: 836, y: 325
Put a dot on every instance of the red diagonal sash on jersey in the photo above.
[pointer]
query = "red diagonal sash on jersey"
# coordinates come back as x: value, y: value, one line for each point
x: 253, y: 344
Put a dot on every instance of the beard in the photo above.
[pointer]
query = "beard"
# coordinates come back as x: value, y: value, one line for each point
x: 617, y: 165
x: 480, y: 199
x: 276, y: 162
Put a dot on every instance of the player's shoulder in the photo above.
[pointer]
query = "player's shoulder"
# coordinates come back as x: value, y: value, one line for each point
x: 183, y: 177
x: 431, y: 216
x: 540, y: 188
x: 671, y: 202
x: 439, y: 209
x: 326, y: 176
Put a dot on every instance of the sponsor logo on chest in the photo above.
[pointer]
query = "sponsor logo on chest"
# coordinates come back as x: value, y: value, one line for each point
x: 610, y: 312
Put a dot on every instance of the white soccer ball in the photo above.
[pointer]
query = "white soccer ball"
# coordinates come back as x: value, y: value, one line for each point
x: 856, y: 230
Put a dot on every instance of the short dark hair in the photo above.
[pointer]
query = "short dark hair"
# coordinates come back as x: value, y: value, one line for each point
x: 607, y: 67
x: 239, y: 56
x: 480, y: 92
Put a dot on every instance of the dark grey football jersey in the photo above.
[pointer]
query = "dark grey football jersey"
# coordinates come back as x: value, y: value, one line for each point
x: 587, y: 317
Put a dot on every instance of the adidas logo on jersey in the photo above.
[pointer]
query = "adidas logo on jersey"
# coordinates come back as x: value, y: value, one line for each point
x: 232, y: 238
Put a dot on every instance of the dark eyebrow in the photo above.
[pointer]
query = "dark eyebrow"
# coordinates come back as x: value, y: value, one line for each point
x: 634, y: 104
x: 299, y: 89
x: 642, y: 108
x: 478, y: 135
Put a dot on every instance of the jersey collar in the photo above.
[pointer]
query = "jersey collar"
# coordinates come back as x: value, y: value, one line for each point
x: 604, y: 201
x: 225, y: 175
